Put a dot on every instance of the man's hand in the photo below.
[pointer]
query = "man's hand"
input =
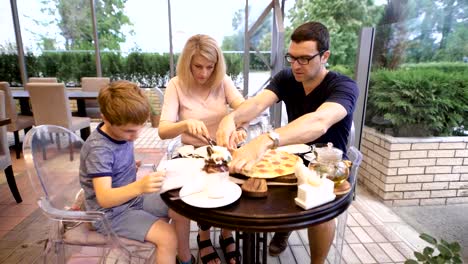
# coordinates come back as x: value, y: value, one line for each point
x: 224, y: 135
x: 248, y: 155
x: 152, y: 182
x: 196, y: 128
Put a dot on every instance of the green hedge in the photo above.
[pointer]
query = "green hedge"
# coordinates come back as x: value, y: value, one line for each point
x: 419, y: 101
x: 147, y: 69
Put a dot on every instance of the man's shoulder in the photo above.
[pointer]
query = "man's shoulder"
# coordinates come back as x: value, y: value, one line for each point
x: 338, y: 79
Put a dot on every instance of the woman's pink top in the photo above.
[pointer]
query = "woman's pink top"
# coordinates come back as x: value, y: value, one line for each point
x: 180, y: 103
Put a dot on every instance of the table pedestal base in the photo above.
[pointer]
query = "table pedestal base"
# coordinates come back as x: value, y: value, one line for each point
x: 252, y: 243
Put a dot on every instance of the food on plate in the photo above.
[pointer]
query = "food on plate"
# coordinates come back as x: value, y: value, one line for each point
x: 295, y: 148
x: 255, y: 187
x: 217, y: 160
x: 273, y: 164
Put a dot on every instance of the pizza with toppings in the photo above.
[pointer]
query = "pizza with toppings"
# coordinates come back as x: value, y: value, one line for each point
x: 273, y: 164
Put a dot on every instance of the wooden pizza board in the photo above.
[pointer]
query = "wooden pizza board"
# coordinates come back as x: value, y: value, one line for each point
x: 290, y: 178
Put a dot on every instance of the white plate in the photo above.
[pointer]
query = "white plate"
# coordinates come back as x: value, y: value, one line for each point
x: 201, y: 151
x: 232, y: 193
x: 295, y: 148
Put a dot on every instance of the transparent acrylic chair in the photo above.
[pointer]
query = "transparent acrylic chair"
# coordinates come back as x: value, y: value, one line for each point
x: 53, y: 169
x: 355, y: 156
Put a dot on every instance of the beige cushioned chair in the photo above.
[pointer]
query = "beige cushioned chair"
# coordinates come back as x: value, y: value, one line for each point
x: 93, y: 84
x: 51, y: 106
x: 18, y: 122
x: 5, y: 159
x: 43, y: 79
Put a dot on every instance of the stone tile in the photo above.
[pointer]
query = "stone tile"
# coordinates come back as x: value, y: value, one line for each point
x: 377, y: 252
x: 360, y: 218
x: 388, y: 233
x: 362, y: 235
x: 350, y: 238
x: 392, y: 252
x: 404, y: 249
x: 362, y: 253
x: 294, y: 239
x: 375, y: 234
x: 349, y: 255
x: 9, y: 222
x: 300, y: 254
x: 18, y: 210
x: 351, y: 221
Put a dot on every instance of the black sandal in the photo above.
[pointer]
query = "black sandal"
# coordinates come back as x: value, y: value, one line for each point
x: 224, y: 243
x: 192, y: 259
x: 204, y: 244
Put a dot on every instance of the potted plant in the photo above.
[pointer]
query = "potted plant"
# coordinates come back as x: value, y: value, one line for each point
x: 447, y: 252
x: 155, y: 114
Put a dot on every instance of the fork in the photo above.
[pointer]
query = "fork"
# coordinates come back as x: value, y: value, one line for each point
x: 180, y: 197
x: 210, y: 141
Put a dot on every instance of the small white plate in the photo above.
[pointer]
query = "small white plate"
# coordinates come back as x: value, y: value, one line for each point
x: 232, y: 192
x: 201, y: 151
x: 295, y: 148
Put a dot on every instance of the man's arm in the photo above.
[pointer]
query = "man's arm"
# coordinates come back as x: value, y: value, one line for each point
x: 312, y: 125
x: 302, y: 130
x: 246, y: 112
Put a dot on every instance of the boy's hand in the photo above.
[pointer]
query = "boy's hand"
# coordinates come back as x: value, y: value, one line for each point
x: 152, y: 182
x: 137, y: 164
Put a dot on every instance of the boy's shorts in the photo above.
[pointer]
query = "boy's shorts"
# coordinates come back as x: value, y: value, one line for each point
x: 133, y: 220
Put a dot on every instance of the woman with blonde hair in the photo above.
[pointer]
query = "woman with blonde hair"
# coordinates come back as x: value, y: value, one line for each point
x: 195, y: 101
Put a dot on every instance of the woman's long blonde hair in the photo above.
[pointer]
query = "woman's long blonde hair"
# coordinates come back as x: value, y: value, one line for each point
x: 208, y: 48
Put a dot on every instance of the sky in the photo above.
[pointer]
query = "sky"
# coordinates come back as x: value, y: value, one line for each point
x: 150, y: 21
x: 149, y: 18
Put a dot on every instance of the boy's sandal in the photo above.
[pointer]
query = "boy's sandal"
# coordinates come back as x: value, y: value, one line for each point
x: 205, y: 244
x: 193, y: 260
x: 224, y: 243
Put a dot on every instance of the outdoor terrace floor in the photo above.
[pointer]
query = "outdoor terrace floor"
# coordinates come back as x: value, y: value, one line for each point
x: 374, y: 234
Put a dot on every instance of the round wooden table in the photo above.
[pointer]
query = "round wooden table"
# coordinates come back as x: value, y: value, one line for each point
x: 276, y: 212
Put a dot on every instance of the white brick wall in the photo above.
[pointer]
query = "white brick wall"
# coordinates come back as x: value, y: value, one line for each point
x: 415, y: 171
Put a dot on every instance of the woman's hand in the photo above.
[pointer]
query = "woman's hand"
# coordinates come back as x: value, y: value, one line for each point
x: 196, y: 128
x: 238, y: 136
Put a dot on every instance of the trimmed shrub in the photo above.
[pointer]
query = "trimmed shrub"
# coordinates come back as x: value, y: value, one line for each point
x: 418, y: 101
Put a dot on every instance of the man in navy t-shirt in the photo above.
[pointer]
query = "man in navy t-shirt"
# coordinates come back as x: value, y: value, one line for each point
x: 320, y: 106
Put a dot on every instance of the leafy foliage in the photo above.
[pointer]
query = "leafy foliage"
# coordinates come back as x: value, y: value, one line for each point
x: 146, y: 69
x: 418, y: 101
x: 344, y: 19
x: 447, y: 252
x: 73, y: 19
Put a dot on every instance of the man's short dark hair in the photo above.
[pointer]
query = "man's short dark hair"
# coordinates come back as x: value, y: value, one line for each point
x: 315, y: 31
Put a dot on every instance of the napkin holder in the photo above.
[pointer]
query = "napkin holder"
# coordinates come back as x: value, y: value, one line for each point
x: 309, y: 196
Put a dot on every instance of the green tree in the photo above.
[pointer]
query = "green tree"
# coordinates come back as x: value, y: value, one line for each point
x: 73, y: 19
x: 344, y: 19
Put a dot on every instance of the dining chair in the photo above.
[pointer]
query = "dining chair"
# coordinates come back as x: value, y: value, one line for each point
x: 5, y: 159
x: 18, y: 122
x: 51, y: 106
x: 355, y: 156
x: 43, y: 80
x: 56, y: 183
x: 93, y: 84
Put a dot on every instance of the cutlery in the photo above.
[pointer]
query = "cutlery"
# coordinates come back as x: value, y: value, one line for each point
x: 183, y: 196
x: 210, y: 141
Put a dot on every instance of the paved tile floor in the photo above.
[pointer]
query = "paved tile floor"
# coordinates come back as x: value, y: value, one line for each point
x: 374, y: 234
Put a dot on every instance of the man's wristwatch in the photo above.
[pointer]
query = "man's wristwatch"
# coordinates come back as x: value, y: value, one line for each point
x: 275, y: 137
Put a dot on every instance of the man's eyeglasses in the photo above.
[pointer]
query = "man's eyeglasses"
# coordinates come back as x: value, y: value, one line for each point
x: 303, y: 60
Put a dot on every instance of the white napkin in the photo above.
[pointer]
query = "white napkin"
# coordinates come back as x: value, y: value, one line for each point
x: 305, y: 175
x: 180, y: 172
